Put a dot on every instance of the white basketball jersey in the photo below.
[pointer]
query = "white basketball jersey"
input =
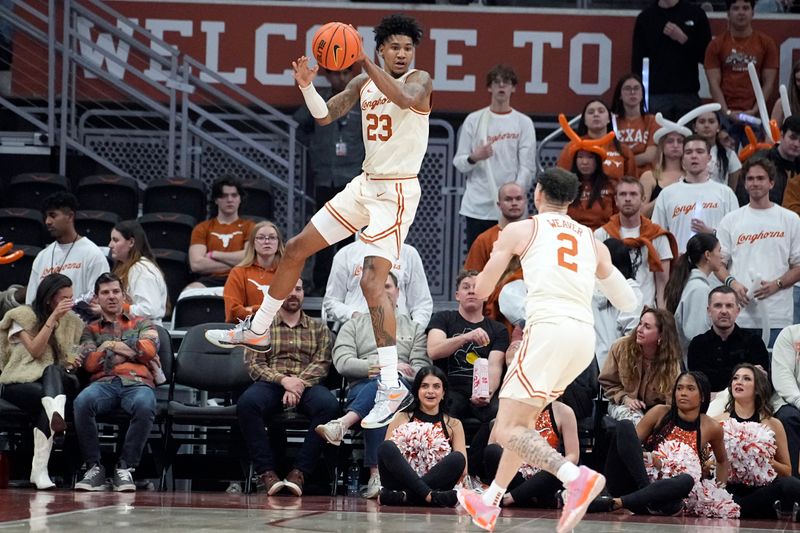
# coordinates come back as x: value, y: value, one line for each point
x: 395, y: 139
x: 559, y: 265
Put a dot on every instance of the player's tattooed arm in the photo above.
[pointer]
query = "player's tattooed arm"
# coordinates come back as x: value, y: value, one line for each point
x: 532, y: 448
x: 340, y: 104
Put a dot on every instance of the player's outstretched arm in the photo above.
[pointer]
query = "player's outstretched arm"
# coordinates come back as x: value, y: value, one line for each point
x: 612, y: 283
x: 512, y: 241
x: 415, y: 92
x: 337, y: 106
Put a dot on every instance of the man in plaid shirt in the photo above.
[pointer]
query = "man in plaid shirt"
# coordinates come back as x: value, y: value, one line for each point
x: 116, y: 351
x: 288, y: 376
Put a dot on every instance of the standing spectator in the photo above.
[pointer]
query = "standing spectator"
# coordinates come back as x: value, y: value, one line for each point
x: 673, y: 34
x: 595, y: 123
x: 761, y: 242
x: 355, y: 356
x: 686, y: 294
x: 76, y: 257
x: 36, y: 345
x: 135, y: 265
x: 652, y: 247
x: 496, y: 144
x: 726, y: 62
x: 724, y: 166
x: 717, y: 351
x: 217, y: 244
x: 248, y: 281
x: 786, y: 157
x: 288, y: 376
x: 594, y: 204
x: 634, y: 127
x: 786, y: 380
x: 695, y: 204
x: 335, y: 153
x: 117, y: 351
x: 513, y: 204
x: 666, y: 169
x: 344, y: 298
x: 793, y: 91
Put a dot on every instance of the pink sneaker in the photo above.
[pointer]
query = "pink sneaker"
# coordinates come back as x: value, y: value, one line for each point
x: 580, y: 493
x: 483, y: 516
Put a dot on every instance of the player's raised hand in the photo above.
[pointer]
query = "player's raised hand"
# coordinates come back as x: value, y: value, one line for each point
x: 303, y: 74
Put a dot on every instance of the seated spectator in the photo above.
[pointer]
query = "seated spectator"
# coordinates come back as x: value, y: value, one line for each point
x: 411, y: 476
x: 688, y: 287
x: 37, y: 345
x: 513, y: 205
x: 666, y: 170
x: 117, y: 351
x: 786, y: 380
x: 288, y: 376
x: 724, y: 166
x: 641, y: 368
x: 217, y: 244
x: 249, y: 280
x: 634, y: 127
x: 611, y: 324
x: 533, y: 487
x: 343, y: 297
x: 355, y: 356
x: 595, y: 122
x: 785, y: 154
x: 136, y: 266
x: 76, y: 257
x: 793, y: 92
x: 636, y: 452
x: 594, y: 205
x: 719, y: 350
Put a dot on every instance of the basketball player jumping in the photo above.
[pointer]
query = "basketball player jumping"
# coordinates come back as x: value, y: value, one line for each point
x: 561, y: 262
x: 395, y: 102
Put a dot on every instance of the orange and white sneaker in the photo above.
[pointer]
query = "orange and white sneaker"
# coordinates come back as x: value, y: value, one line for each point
x: 240, y: 335
x: 484, y: 516
x: 579, y: 494
x: 388, y: 401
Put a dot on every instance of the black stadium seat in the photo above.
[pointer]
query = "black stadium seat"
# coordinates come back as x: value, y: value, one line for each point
x: 259, y: 201
x: 176, y: 195
x: 96, y: 225
x: 23, y: 226
x: 118, y: 194
x: 172, y: 231
x: 175, y: 266
x: 30, y: 190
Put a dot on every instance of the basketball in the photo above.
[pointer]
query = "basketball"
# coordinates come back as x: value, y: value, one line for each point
x: 336, y: 46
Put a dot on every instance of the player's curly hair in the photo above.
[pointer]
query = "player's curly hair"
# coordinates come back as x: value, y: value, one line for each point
x: 559, y: 185
x: 398, y: 24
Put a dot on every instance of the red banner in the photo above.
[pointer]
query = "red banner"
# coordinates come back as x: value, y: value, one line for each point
x: 562, y: 58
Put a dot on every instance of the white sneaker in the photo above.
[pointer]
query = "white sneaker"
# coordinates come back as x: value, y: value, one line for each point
x: 240, y: 335
x: 388, y: 401
x: 333, y: 432
x: 373, y: 487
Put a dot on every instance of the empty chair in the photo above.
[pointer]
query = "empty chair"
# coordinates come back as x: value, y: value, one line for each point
x: 30, y: 190
x: 176, y: 195
x: 172, y: 231
x: 201, y: 309
x: 18, y: 272
x: 23, y: 226
x: 175, y: 266
x: 96, y: 225
x: 118, y: 194
x: 259, y: 201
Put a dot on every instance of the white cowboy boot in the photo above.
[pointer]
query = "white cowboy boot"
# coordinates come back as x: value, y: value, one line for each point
x: 41, y: 456
x: 54, y: 408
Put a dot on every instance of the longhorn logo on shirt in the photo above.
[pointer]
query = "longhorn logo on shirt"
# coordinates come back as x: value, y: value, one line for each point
x: 262, y: 288
x: 226, y: 237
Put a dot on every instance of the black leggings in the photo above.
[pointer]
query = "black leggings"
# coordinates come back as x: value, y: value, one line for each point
x: 28, y: 396
x: 627, y: 477
x: 537, y: 491
x: 397, y: 474
x: 757, y: 502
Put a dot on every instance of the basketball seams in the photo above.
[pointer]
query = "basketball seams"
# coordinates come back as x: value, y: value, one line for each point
x: 336, y: 35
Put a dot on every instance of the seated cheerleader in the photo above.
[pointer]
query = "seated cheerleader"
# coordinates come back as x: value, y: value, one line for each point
x: 760, y: 470
x: 424, y: 454
x: 532, y: 487
x: 643, y: 472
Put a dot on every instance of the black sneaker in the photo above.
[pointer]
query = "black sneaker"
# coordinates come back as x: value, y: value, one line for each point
x: 123, y: 480
x: 94, y: 480
x: 391, y: 497
x: 444, y: 498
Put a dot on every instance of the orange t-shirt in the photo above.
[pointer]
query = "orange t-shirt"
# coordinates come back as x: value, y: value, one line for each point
x: 601, y: 210
x: 615, y: 165
x: 218, y: 237
x: 731, y: 57
x: 481, y: 249
x: 637, y: 134
x: 245, y: 287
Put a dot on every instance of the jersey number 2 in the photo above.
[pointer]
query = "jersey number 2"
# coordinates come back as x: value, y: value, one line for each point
x: 570, y: 249
x: 379, y: 127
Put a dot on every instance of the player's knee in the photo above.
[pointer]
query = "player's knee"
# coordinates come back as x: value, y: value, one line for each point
x: 371, y: 286
x: 294, y: 251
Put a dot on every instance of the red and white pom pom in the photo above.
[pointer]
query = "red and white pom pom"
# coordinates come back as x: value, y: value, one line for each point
x: 422, y: 444
x: 528, y: 471
x: 750, y: 446
x: 710, y: 501
x: 676, y: 458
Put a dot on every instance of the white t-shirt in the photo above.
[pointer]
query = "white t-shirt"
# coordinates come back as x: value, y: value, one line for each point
x: 514, y: 152
x: 714, y: 169
x: 148, y: 290
x: 679, y: 203
x: 81, y: 261
x: 761, y: 243
x: 610, y: 323
x: 644, y: 277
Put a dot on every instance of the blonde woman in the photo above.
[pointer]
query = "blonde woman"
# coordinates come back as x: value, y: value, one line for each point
x: 666, y: 170
x: 249, y: 280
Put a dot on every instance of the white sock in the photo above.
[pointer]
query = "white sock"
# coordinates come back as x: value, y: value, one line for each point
x: 263, y: 319
x: 387, y: 360
x: 493, y: 494
x: 567, y: 472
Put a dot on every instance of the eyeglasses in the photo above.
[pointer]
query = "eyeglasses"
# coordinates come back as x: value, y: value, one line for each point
x: 267, y: 238
x: 632, y: 89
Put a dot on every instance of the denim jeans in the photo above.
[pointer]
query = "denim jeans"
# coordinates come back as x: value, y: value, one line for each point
x: 360, y: 400
x: 262, y: 400
x: 102, y: 397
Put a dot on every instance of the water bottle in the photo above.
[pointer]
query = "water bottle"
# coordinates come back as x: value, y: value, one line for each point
x: 353, y: 479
